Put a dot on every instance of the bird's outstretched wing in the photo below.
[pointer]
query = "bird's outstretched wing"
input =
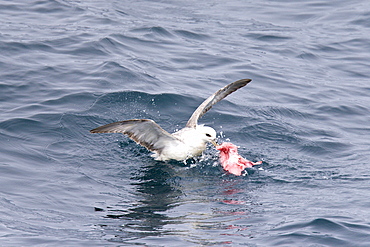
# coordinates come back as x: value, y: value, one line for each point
x: 213, y: 99
x: 143, y: 131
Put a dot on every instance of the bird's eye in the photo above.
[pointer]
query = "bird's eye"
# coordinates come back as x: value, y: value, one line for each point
x: 208, y: 135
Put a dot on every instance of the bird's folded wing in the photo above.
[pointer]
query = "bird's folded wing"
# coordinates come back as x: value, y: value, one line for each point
x: 213, y: 99
x: 143, y: 131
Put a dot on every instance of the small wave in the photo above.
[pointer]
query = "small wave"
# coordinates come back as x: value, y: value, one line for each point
x: 192, y: 35
x: 323, y: 231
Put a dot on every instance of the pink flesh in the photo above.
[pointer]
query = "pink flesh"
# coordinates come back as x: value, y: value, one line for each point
x: 231, y: 161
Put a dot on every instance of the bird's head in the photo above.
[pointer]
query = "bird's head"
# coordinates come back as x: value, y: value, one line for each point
x: 207, y: 134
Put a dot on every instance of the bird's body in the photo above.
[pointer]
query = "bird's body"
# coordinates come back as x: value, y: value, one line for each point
x: 191, y: 143
x: 186, y: 143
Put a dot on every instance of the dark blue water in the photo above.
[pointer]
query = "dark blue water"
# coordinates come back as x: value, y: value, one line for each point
x: 70, y: 66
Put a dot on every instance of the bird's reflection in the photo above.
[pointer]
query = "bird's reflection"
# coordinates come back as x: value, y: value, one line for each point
x: 156, y: 187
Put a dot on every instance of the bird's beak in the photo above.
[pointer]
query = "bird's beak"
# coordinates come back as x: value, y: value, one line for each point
x: 214, y: 142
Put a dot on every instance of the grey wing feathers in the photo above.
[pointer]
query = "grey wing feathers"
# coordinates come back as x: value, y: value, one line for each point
x: 213, y: 99
x: 143, y: 131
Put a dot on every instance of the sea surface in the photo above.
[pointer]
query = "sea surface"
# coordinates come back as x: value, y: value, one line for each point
x: 68, y: 66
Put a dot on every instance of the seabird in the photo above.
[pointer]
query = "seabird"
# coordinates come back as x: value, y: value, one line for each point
x: 183, y: 144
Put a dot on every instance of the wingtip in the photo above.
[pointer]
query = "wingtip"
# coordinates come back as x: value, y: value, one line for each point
x: 100, y: 129
x: 96, y: 130
x: 244, y: 81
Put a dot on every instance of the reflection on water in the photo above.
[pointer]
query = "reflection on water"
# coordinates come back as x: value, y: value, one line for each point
x: 174, y: 203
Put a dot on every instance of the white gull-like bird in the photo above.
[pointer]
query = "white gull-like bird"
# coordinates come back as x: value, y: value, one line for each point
x: 183, y: 144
